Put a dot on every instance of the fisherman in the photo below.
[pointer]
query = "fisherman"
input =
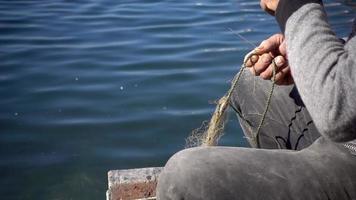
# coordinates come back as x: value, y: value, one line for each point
x: 308, y: 146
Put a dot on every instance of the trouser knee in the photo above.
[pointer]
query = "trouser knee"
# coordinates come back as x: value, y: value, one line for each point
x: 174, y: 179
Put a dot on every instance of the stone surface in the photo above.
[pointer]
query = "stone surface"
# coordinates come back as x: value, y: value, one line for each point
x: 133, y: 183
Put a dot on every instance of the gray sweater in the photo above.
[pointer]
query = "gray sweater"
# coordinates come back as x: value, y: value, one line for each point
x: 323, y: 68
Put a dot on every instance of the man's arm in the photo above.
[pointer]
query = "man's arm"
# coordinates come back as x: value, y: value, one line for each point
x: 323, y: 68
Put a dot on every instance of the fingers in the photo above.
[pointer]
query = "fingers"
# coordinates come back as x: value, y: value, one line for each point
x: 280, y: 64
x: 283, y: 74
x: 284, y: 77
x: 252, y: 61
x: 263, y: 62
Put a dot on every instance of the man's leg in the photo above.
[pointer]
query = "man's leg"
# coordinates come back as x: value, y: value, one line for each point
x: 288, y: 124
x: 325, y: 170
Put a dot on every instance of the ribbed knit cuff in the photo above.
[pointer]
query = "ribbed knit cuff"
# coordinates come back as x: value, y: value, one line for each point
x: 286, y: 8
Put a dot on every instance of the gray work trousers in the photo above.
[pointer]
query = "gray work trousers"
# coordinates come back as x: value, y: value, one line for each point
x: 294, y: 161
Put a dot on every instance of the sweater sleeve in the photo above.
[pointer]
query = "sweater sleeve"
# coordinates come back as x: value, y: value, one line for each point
x: 323, y: 68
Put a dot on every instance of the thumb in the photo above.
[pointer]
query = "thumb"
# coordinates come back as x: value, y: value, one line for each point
x: 263, y: 4
x: 270, y: 45
x: 283, y: 49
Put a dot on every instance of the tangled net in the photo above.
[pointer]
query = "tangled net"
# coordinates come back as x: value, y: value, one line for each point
x: 210, y: 132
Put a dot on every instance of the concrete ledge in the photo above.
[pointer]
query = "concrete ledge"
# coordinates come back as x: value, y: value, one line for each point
x: 133, y: 183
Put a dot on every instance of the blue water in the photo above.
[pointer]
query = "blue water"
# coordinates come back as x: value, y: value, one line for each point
x: 89, y: 86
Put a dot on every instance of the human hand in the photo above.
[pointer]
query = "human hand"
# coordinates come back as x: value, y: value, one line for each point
x: 269, y: 6
x: 261, y: 64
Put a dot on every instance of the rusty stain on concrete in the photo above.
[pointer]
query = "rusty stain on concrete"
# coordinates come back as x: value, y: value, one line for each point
x: 133, y: 183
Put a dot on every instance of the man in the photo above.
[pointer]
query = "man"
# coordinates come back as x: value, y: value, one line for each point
x: 316, y: 115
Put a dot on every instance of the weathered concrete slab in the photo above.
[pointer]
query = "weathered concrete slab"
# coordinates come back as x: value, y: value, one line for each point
x: 133, y: 183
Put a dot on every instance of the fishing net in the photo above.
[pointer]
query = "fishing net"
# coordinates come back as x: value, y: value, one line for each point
x: 211, y: 131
